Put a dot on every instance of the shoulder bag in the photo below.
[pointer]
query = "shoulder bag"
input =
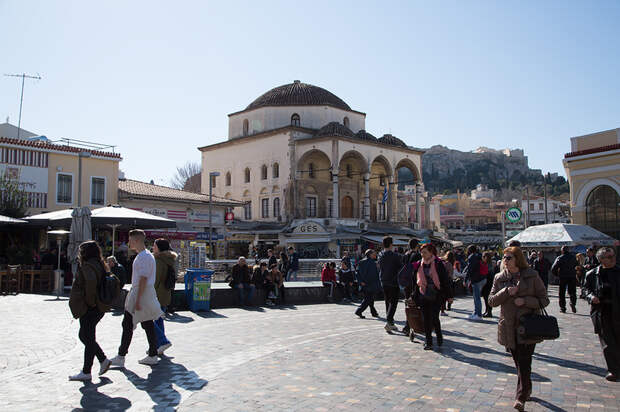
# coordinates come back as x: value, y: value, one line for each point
x: 537, y: 326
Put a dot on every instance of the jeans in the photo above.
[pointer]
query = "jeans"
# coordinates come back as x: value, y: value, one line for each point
x: 292, y: 274
x: 431, y: 321
x: 149, y: 328
x: 571, y: 284
x: 159, y: 330
x: 522, y: 356
x: 477, y: 289
x: 246, y: 293
x: 88, y: 324
x: 391, y: 295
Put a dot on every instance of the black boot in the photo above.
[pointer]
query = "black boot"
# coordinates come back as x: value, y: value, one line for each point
x: 429, y: 343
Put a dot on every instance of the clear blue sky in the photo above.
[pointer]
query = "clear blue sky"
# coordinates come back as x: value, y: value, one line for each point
x: 158, y: 78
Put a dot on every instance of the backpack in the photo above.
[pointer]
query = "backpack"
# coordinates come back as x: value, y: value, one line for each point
x: 171, y: 278
x: 108, y: 289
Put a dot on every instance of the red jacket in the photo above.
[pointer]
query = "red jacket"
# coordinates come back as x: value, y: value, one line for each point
x: 328, y: 275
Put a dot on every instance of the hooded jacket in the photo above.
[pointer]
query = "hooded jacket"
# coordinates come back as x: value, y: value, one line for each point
x: 163, y: 260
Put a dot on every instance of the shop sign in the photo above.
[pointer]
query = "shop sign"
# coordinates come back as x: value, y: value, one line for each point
x: 230, y: 216
x: 205, y: 236
x: 155, y: 212
x: 217, y: 216
x: 513, y: 214
x: 310, y: 228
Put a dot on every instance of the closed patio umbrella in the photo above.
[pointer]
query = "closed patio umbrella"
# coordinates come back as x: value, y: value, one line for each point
x: 81, y: 231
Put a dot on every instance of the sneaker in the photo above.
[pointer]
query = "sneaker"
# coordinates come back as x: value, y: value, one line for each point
x: 573, y: 308
x: 104, y: 366
x: 518, y: 405
x: 473, y: 316
x: 611, y: 377
x: 118, y: 361
x: 443, y: 313
x: 388, y: 328
x: 81, y: 377
x: 149, y: 360
x: 162, y: 348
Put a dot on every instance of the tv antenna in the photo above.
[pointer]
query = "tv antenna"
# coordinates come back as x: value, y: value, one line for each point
x: 24, y: 76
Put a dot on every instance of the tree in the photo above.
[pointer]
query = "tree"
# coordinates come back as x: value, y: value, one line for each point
x: 187, y: 177
x: 13, y: 196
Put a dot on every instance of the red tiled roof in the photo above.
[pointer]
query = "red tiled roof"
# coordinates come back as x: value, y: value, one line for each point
x: 51, y: 146
x: 129, y: 188
x: 593, y: 150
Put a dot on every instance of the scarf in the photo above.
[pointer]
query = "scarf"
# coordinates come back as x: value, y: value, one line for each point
x: 422, y: 278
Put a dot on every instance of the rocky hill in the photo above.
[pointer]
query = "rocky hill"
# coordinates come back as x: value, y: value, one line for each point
x: 446, y: 170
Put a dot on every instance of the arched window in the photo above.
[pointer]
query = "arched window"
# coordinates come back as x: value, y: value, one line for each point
x: 311, y: 170
x: 349, y: 171
x: 276, y: 171
x: 295, y: 120
x: 263, y: 172
x: 603, y: 210
x: 246, y: 127
x: 247, y: 175
x: 247, y: 211
x: 228, y: 179
x: 345, y: 121
x: 276, y: 207
x: 212, y: 180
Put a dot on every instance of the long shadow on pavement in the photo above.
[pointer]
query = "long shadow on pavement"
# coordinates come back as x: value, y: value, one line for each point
x: 453, y: 349
x: 158, y: 384
x: 93, y: 400
x: 594, y: 370
x: 176, y: 317
x: 547, y: 405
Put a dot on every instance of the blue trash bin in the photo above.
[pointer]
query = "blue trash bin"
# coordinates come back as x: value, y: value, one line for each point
x: 198, y: 289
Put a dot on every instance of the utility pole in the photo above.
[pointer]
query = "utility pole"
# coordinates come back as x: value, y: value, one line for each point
x: 527, y: 218
x: 545, y: 188
x: 24, y: 76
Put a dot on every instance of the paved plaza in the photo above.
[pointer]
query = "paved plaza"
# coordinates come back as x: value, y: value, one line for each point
x: 305, y: 358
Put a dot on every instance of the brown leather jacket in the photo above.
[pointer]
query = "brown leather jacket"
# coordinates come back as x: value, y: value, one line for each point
x: 531, y: 289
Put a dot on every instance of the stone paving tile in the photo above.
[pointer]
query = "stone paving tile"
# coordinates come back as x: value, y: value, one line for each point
x: 310, y: 358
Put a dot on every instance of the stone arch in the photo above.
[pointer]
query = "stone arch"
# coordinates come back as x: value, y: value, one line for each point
x: 411, y: 166
x: 320, y: 161
x: 584, y: 192
x: 603, y: 210
x: 275, y: 189
x: 354, y: 158
x: 228, y: 195
x: 264, y: 191
x: 246, y: 194
x: 382, y: 160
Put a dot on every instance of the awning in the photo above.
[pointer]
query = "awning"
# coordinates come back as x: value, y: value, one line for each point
x: 379, y: 240
x: 307, y: 240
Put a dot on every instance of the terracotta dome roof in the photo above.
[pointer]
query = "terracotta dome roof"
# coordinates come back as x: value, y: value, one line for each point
x: 364, y: 135
x: 391, y: 140
x: 334, y: 129
x: 298, y: 94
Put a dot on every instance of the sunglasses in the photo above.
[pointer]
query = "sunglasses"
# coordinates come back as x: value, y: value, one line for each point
x: 507, y: 257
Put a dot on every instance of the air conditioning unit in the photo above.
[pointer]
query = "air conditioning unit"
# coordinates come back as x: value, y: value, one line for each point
x: 279, y: 218
x: 326, y: 222
x: 362, y: 225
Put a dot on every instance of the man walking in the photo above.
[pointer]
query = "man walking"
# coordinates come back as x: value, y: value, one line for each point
x: 411, y: 256
x: 477, y: 279
x: 602, y: 288
x: 293, y: 267
x: 370, y: 283
x: 564, y: 268
x: 389, y: 265
x: 542, y: 266
x: 141, y: 305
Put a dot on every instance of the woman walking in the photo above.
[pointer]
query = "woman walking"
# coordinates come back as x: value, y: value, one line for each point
x: 519, y: 291
x: 86, y: 306
x: 165, y: 261
x: 448, y: 261
x: 487, y: 259
x: 431, y: 288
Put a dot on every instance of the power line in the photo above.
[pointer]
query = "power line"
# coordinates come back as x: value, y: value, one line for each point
x: 24, y: 76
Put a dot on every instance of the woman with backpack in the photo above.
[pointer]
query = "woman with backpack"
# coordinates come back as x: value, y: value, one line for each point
x: 86, y: 306
x: 165, y: 273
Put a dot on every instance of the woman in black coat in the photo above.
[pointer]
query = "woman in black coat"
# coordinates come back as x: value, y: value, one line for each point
x: 432, y: 287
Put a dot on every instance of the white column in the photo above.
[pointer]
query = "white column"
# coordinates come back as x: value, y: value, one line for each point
x: 367, y: 196
x: 391, y: 210
x: 336, y: 195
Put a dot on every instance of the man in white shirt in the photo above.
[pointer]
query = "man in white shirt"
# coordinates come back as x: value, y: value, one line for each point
x: 141, y: 304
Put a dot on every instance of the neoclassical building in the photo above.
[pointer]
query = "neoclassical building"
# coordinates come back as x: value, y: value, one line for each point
x: 593, y: 171
x: 299, y: 152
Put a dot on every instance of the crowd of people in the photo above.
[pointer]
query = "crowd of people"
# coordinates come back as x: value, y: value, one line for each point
x: 152, y: 281
x: 515, y: 281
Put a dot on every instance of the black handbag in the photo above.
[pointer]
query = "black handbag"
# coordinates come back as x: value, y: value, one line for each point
x: 537, y: 326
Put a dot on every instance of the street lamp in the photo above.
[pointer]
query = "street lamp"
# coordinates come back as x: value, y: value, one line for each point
x: 212, y: 176
x: 80, y: 156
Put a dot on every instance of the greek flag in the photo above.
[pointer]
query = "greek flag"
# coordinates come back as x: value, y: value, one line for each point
x: 385, y: 194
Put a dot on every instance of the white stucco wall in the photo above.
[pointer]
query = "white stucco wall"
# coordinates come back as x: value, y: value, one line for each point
x: 313, y: 117
x: 251, y: 153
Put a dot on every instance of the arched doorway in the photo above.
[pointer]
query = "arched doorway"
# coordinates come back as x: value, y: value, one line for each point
x: 346, y: 207
x: 603, y: 210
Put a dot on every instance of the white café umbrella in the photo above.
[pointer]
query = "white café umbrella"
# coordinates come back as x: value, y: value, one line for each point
x: 562, y: 234
x: 81, y: 231
x: 6, y: 220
